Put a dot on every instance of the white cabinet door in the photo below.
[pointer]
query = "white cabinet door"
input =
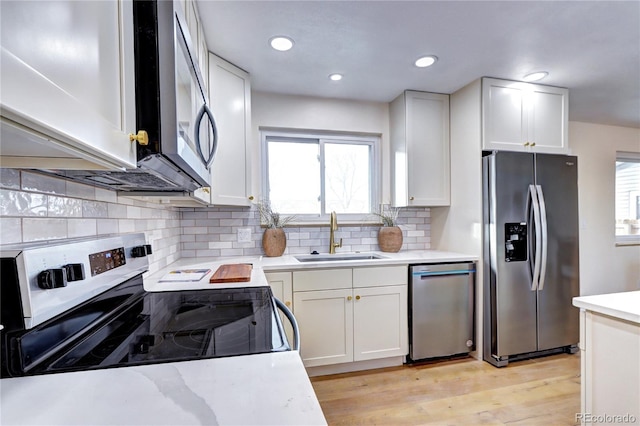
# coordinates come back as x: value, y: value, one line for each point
x: 549, y: 120
x: 380, y: 322
x: 325, y: 319
x: 281, y: 285
x: 521, y: 116
x: 68, y: 77
x: 230, y: 99
x: 420, y: 149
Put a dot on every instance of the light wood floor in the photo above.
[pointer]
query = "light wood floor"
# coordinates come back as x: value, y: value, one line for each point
x: 543, y: 391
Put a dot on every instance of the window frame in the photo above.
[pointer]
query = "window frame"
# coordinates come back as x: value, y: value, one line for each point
x: 628, y: 157
x: 302, y: 136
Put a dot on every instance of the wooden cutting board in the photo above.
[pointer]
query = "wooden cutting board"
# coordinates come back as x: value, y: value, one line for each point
x: 232, y: 273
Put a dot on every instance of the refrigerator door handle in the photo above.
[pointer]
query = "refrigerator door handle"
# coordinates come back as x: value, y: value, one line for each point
x: 533, y: 198
x: 543, y: 226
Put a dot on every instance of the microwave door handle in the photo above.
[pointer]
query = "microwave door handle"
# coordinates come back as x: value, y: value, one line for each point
x: 535, y: 209
x: 204, y: 110
x: 543, y: 225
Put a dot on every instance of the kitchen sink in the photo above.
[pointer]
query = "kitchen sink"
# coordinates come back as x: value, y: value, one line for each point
x: 338, y: 257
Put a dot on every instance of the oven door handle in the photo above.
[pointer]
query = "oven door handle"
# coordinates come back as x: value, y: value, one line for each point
x: 287, y: 312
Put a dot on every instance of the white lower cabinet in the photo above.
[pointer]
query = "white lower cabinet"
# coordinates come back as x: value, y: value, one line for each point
x: 325, y: 319
x: 363, y: 317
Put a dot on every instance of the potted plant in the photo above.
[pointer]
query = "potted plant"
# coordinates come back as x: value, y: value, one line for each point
x: 390, y: 235
x: 274, y: 240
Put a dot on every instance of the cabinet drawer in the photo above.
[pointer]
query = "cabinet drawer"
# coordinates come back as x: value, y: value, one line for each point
x: 324, y: 279
x: 380, y: 276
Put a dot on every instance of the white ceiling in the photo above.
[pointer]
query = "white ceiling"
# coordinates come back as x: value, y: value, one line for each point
x: 590, y: 47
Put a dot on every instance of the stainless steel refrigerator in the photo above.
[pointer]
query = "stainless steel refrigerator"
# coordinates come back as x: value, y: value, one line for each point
x: 531, y: 271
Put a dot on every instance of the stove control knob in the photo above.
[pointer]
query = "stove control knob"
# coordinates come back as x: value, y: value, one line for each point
x: 148, y: 248
x: 138, y: 251
x: 75, y: 271
x: 52, y: 278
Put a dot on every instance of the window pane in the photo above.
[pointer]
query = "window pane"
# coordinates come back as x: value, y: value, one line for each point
x: 294, y: 177
x: 347, y: 178
x: 627, y: 198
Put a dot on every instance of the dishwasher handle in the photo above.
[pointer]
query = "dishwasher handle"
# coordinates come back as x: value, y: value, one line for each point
x: 426, y: 274
x: 294, y: 324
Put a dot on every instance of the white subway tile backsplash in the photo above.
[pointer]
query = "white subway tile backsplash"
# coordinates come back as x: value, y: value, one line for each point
x: 39, y: 229
x: 78, y: 190
x: 117, y: 211
x: 9, y: 178
x: 81, y: 227
x: 94, y: 209
x: 106, y: 195
x: 107, y: 226
x: 18, y: 203
x: 126, y: 225
x: 10, y: 230
x: 65, y: 207
x: 79, y: 210
x: 42, y: 183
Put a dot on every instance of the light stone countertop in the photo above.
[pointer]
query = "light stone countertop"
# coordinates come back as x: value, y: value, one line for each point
x: 625, y: 305
x: 266, y: 389
x: 289, y: 263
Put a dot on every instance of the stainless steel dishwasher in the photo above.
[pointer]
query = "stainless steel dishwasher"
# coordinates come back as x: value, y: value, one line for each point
x: 441, y: 310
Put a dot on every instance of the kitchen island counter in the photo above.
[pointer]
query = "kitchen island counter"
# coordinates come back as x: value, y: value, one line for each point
x: 610, y: 350
x: 265, y: 389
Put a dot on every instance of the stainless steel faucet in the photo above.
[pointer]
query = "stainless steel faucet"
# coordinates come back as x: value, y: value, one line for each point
x: 333, y: 226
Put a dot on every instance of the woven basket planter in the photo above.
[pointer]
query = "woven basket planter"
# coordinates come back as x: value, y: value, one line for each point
x: 274, y: 241
x: 390, y: 239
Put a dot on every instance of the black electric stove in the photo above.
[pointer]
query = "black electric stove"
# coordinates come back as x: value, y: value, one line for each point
x: 125, y: 325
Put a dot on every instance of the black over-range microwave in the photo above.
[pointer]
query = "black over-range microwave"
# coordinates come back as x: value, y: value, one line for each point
x: 171, y: 106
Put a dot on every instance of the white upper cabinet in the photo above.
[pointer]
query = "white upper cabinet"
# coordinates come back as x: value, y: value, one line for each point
x: 524, y: 117
x: 419, y: 127
x: 230, y: 99
x: 67, y: 96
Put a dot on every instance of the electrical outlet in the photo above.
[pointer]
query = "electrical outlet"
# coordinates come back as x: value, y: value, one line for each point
x: 244, y: 235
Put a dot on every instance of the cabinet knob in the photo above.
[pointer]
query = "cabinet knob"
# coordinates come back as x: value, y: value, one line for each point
x: 349, y: 298
x: 250, y: 197
x: 142, y: 137
x: 526, y: 144
x: 206, y: 190
x: 533, y: 144
x: 357, y: 297
x: 288, y: 304
x: 411, y: 198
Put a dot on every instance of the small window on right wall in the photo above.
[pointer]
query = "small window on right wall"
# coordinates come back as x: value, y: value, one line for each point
x: 628, y: 197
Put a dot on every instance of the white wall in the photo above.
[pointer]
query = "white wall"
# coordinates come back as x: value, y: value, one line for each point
x: 269, y: 110
x: 604, y: 267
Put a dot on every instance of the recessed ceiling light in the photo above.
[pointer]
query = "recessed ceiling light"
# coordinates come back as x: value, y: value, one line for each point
x: 281, y: 43
x: 335, y: 77
x: 535, y: 76
x: 426, y: 61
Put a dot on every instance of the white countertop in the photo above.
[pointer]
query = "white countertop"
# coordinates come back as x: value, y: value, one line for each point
x: 288, y: 263
x: 625, y: 305
x: 255, y: 389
